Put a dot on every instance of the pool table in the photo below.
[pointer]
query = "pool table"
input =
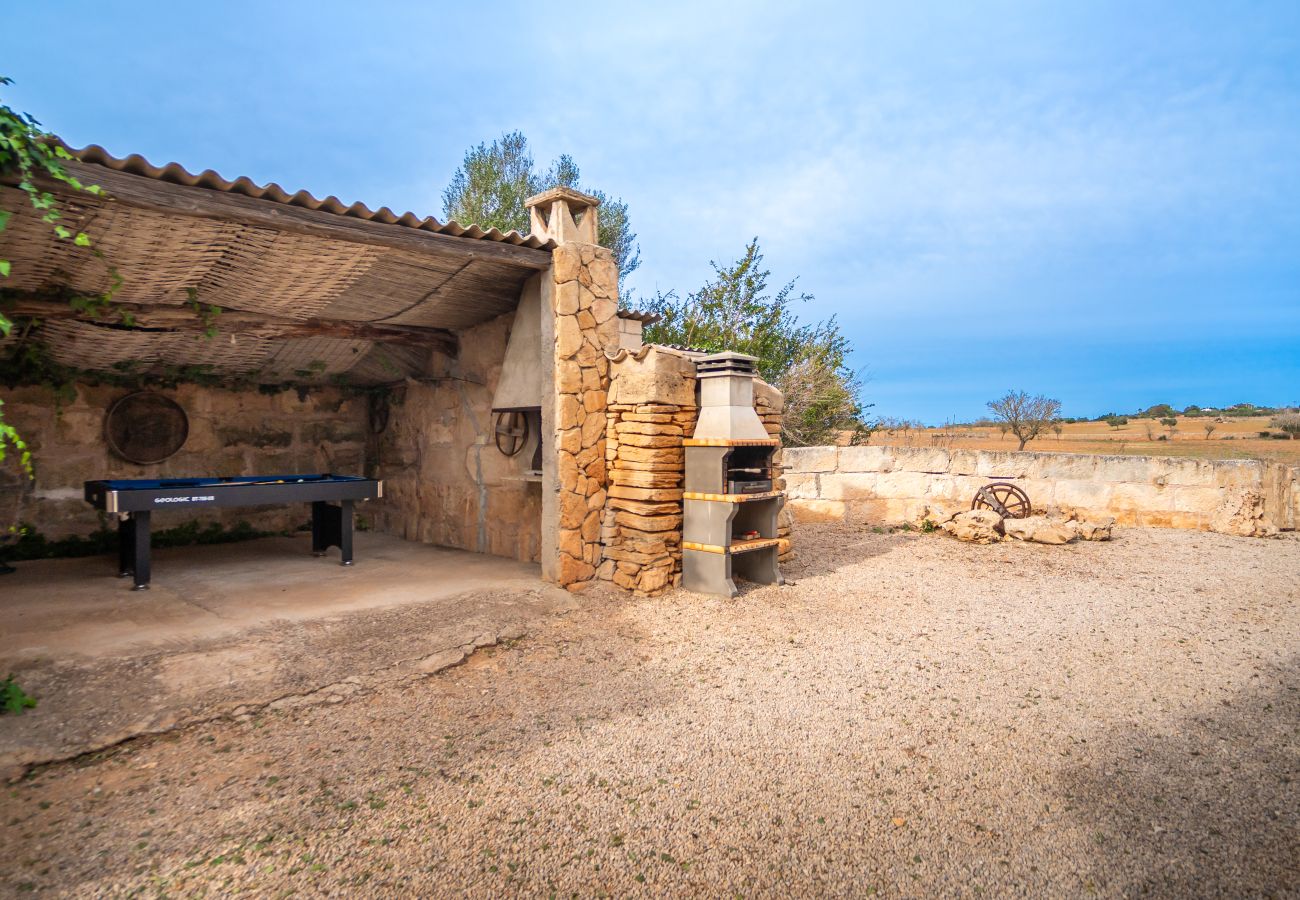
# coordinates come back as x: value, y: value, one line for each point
x: 133, y: 501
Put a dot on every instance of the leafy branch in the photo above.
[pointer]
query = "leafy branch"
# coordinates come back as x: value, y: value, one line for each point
x: 31, y: 153
x: 206, y: 312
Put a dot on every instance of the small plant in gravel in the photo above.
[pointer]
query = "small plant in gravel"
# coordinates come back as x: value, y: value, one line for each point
x: 13, y: 699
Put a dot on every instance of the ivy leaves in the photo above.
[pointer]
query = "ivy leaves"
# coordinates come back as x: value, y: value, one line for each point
x: 31, y: 152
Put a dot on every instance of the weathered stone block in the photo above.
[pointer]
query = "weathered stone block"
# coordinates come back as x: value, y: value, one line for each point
x: 638, y: 478
x: 648, y: 523
x: 573, y: 510
x: 1129, y: 469
x: 1139, y: 498
x: 818, y: 510
x: 1001, y: 465
x: 1091, y: 495
x: 659, y: 428
x: 566, y: 261
x: 847, y: 486
x: 977, y: 526
x: 566, y: 298
x: 919, y: 459
x: 572, y: 571
x: 658, y: 457
x: 652, y: 494
x: 1040, y: 530
x: 899, y: 484
x: 811, y: 459
x: 652, y: 441
x: 1075, y: 466
x: 865, y: 459
x: 568, y: 336
x: 1203, y: 501
x: 954, y: 488
x: 802, y: 486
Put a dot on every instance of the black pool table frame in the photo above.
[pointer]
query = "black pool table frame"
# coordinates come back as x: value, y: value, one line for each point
x: 332, y: 498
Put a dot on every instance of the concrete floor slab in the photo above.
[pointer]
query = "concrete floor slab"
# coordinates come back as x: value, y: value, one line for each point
x: 228, y: 628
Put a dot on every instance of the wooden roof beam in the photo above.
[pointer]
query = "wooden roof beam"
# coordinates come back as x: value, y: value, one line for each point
x: 234, y: 322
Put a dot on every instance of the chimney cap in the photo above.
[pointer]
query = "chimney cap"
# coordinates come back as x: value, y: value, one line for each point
x: 729, y: 356
x: 726, y: 363
x: 577, y: 198
x: 563, y: 215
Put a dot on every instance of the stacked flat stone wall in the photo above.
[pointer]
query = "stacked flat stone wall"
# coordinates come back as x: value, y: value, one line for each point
x: 445, y: 481
x: 894, y: 485
x: 584, y: 292
x: 230, y: 433
x: 652, y: 407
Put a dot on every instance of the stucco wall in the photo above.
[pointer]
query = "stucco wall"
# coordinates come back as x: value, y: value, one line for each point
x: 445, y: 481
x: 899, y: 484
x: 230, y: 433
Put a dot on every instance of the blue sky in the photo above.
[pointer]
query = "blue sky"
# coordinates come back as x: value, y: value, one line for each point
x: 1097, y: 201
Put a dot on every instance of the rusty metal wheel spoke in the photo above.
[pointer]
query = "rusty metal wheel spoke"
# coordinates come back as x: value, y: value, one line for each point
x: 1005, y: 499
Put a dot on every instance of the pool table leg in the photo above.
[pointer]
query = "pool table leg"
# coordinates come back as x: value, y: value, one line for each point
x: 320, y: 527
x: 133, y: 548
x: 331, y: 526
x: 345, y: 531
x: 125, y: 546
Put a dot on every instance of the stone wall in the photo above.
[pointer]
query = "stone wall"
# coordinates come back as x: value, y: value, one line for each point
x: 445, y: 481
x: 896, y: 485
x: 653, y: 405
x: 230, y: 433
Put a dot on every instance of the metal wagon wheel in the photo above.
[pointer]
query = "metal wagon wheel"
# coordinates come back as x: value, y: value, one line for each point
x: 1007, y: 500
x: 511, y: 432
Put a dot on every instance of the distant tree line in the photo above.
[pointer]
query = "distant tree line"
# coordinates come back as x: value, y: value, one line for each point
x: 1165, y: 411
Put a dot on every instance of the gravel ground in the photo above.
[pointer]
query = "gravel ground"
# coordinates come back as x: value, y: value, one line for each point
x: 915, y: 716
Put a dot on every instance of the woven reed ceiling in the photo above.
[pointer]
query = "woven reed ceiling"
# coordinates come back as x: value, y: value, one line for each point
x: 305, y: 286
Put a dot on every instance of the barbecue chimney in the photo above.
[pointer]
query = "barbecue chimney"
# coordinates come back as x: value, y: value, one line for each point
x: 727, y: 398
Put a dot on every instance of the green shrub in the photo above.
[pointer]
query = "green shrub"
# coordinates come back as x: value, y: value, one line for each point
x: 13, y: 699
x: 31, y: 544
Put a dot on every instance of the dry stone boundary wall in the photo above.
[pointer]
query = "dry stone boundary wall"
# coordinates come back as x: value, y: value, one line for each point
x: 895, y: 485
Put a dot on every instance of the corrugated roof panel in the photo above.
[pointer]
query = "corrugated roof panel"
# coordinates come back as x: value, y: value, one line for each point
x: 135, y: 164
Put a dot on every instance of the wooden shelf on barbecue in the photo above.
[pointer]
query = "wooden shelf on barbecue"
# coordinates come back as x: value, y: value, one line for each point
x: 728, y: 442
x: 736, y: 546
x: 729, y: 498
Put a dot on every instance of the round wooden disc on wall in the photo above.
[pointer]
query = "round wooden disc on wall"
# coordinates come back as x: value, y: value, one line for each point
x: 145, y: 427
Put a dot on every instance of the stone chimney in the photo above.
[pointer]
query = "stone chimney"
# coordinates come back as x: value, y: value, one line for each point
x: 577, y: 303
x: 563, y: 215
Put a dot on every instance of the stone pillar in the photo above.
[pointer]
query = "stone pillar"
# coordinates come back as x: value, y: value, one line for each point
x: 579, y: 302
x: 652, y: 406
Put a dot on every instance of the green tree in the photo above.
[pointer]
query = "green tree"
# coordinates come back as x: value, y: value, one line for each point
x: 807, y: 362
x: 491, y: 185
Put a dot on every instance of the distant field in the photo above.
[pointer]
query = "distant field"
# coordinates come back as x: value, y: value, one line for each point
x: 1231, y: 439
